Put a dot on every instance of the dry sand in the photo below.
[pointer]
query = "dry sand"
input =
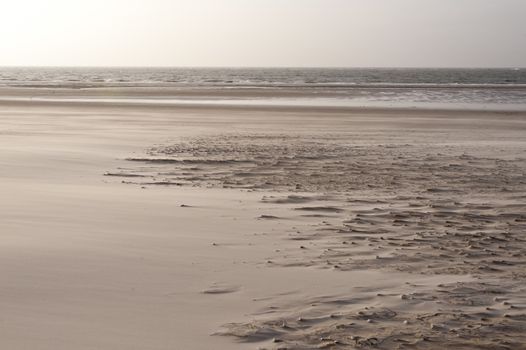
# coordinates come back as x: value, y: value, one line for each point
x: 165, y: 227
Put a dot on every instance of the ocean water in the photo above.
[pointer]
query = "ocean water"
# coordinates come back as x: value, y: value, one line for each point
x: 248, y: 77
x: 482, y: 88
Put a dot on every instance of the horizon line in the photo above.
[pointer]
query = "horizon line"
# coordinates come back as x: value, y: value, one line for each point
x: 262, y: 67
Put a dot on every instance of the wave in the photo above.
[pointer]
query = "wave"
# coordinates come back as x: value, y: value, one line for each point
x: 265, y: 77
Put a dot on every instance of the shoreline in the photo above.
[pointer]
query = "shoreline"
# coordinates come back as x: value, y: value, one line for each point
x: 214, y: 97
x: 181, y: 105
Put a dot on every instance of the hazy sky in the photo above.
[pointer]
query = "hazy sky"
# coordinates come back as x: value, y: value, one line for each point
x: 363, y: 33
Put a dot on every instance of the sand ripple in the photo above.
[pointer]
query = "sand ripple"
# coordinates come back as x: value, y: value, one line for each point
x: 430, y: 209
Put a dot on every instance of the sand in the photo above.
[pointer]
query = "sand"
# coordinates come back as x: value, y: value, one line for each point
x: 134, y: 226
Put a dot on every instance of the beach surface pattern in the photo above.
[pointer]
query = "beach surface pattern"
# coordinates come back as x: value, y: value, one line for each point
x: 143, y: 226
x: 434, y: 207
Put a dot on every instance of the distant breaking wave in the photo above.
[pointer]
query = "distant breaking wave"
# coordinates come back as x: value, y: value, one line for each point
x: 263, y: 77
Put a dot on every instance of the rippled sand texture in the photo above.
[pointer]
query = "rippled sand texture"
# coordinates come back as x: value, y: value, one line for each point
x: 432, y: 207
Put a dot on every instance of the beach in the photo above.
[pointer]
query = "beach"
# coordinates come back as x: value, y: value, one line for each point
x: 132, y: 224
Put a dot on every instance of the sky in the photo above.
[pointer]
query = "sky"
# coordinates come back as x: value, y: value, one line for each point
x: 263, y: 33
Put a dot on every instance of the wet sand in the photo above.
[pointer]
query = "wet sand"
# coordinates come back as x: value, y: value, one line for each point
x: 161, y: 227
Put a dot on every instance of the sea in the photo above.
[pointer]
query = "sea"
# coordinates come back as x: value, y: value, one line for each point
x: 488, y: 88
